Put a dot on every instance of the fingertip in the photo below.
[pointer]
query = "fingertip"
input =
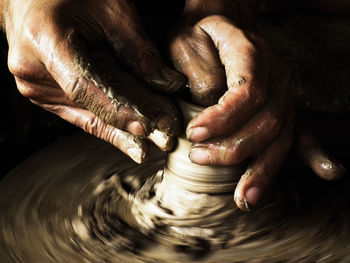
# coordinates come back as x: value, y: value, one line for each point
x: 251, y: 187
x: 241, y: 203
x: 162, y: 140
x: 329, y: 170
x: 133, y: 146
x: 137, y: 154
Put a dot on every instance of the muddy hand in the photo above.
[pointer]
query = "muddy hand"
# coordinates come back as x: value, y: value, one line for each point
x: 252, y: 115
x: 89, y: 62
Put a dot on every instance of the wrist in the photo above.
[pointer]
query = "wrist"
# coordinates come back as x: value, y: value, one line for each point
x: 242, y: 12
x: 2, y: 14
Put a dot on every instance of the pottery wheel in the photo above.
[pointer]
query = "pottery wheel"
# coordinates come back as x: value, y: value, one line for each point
x: 69, y: 203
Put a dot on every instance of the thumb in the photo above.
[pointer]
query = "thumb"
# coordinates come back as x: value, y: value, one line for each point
x: 194, y: 54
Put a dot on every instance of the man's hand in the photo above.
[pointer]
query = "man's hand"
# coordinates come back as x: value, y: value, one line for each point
x: 89, y: 62
x: 253, y: 117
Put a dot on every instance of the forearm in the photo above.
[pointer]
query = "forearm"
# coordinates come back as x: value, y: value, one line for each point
x: 241, y: 12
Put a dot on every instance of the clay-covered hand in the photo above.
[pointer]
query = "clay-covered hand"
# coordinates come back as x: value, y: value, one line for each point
x: 252, y: 115
x: 90, y: 62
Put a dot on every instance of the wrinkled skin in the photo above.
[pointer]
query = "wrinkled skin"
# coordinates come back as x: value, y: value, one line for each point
x: 89, y: 62
x: 250, y: 114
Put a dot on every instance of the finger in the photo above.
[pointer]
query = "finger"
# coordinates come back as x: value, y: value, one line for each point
x: 257, y: 178
x: 163, y: 141
x: 194, y: 54
x: 53, y: 95
x: 94, y: 81
x: 133, y: 146
x: 247, y: 62
x: 131, y: 44
x: 314, y: 155
x: 85, y: 82
x: 247, y: 142
x: 253, y: 136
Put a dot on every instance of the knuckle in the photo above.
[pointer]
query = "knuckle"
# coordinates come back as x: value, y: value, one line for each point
x: 27, y: 91
x: 77, y: 90
x: 110, y: 135
x: 94, y: 126
x: 17, y: 64
x: 31, y: 31
x: 208, y: 91
x: 182, y: 49
x: 114, y: 137
x: 180, y: 43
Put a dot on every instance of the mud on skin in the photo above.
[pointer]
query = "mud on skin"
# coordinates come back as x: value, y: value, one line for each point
x: 93, y: 68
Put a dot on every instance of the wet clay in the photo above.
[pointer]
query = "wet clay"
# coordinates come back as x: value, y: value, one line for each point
x: 81, y: 200
x: 186, y: 200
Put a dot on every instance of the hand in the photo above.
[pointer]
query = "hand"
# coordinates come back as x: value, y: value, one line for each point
x: 89, y: 62
x: 253, y: 117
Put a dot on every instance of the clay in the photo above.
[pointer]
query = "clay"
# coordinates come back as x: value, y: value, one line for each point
x: 193, y: 199
x: 80, y: 200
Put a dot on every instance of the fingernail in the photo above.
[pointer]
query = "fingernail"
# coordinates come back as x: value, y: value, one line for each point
x: 136, y: 128
x: 198, y: 134
x: 200, y: 156
x: 136, y: 154
x: 253, y: 194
